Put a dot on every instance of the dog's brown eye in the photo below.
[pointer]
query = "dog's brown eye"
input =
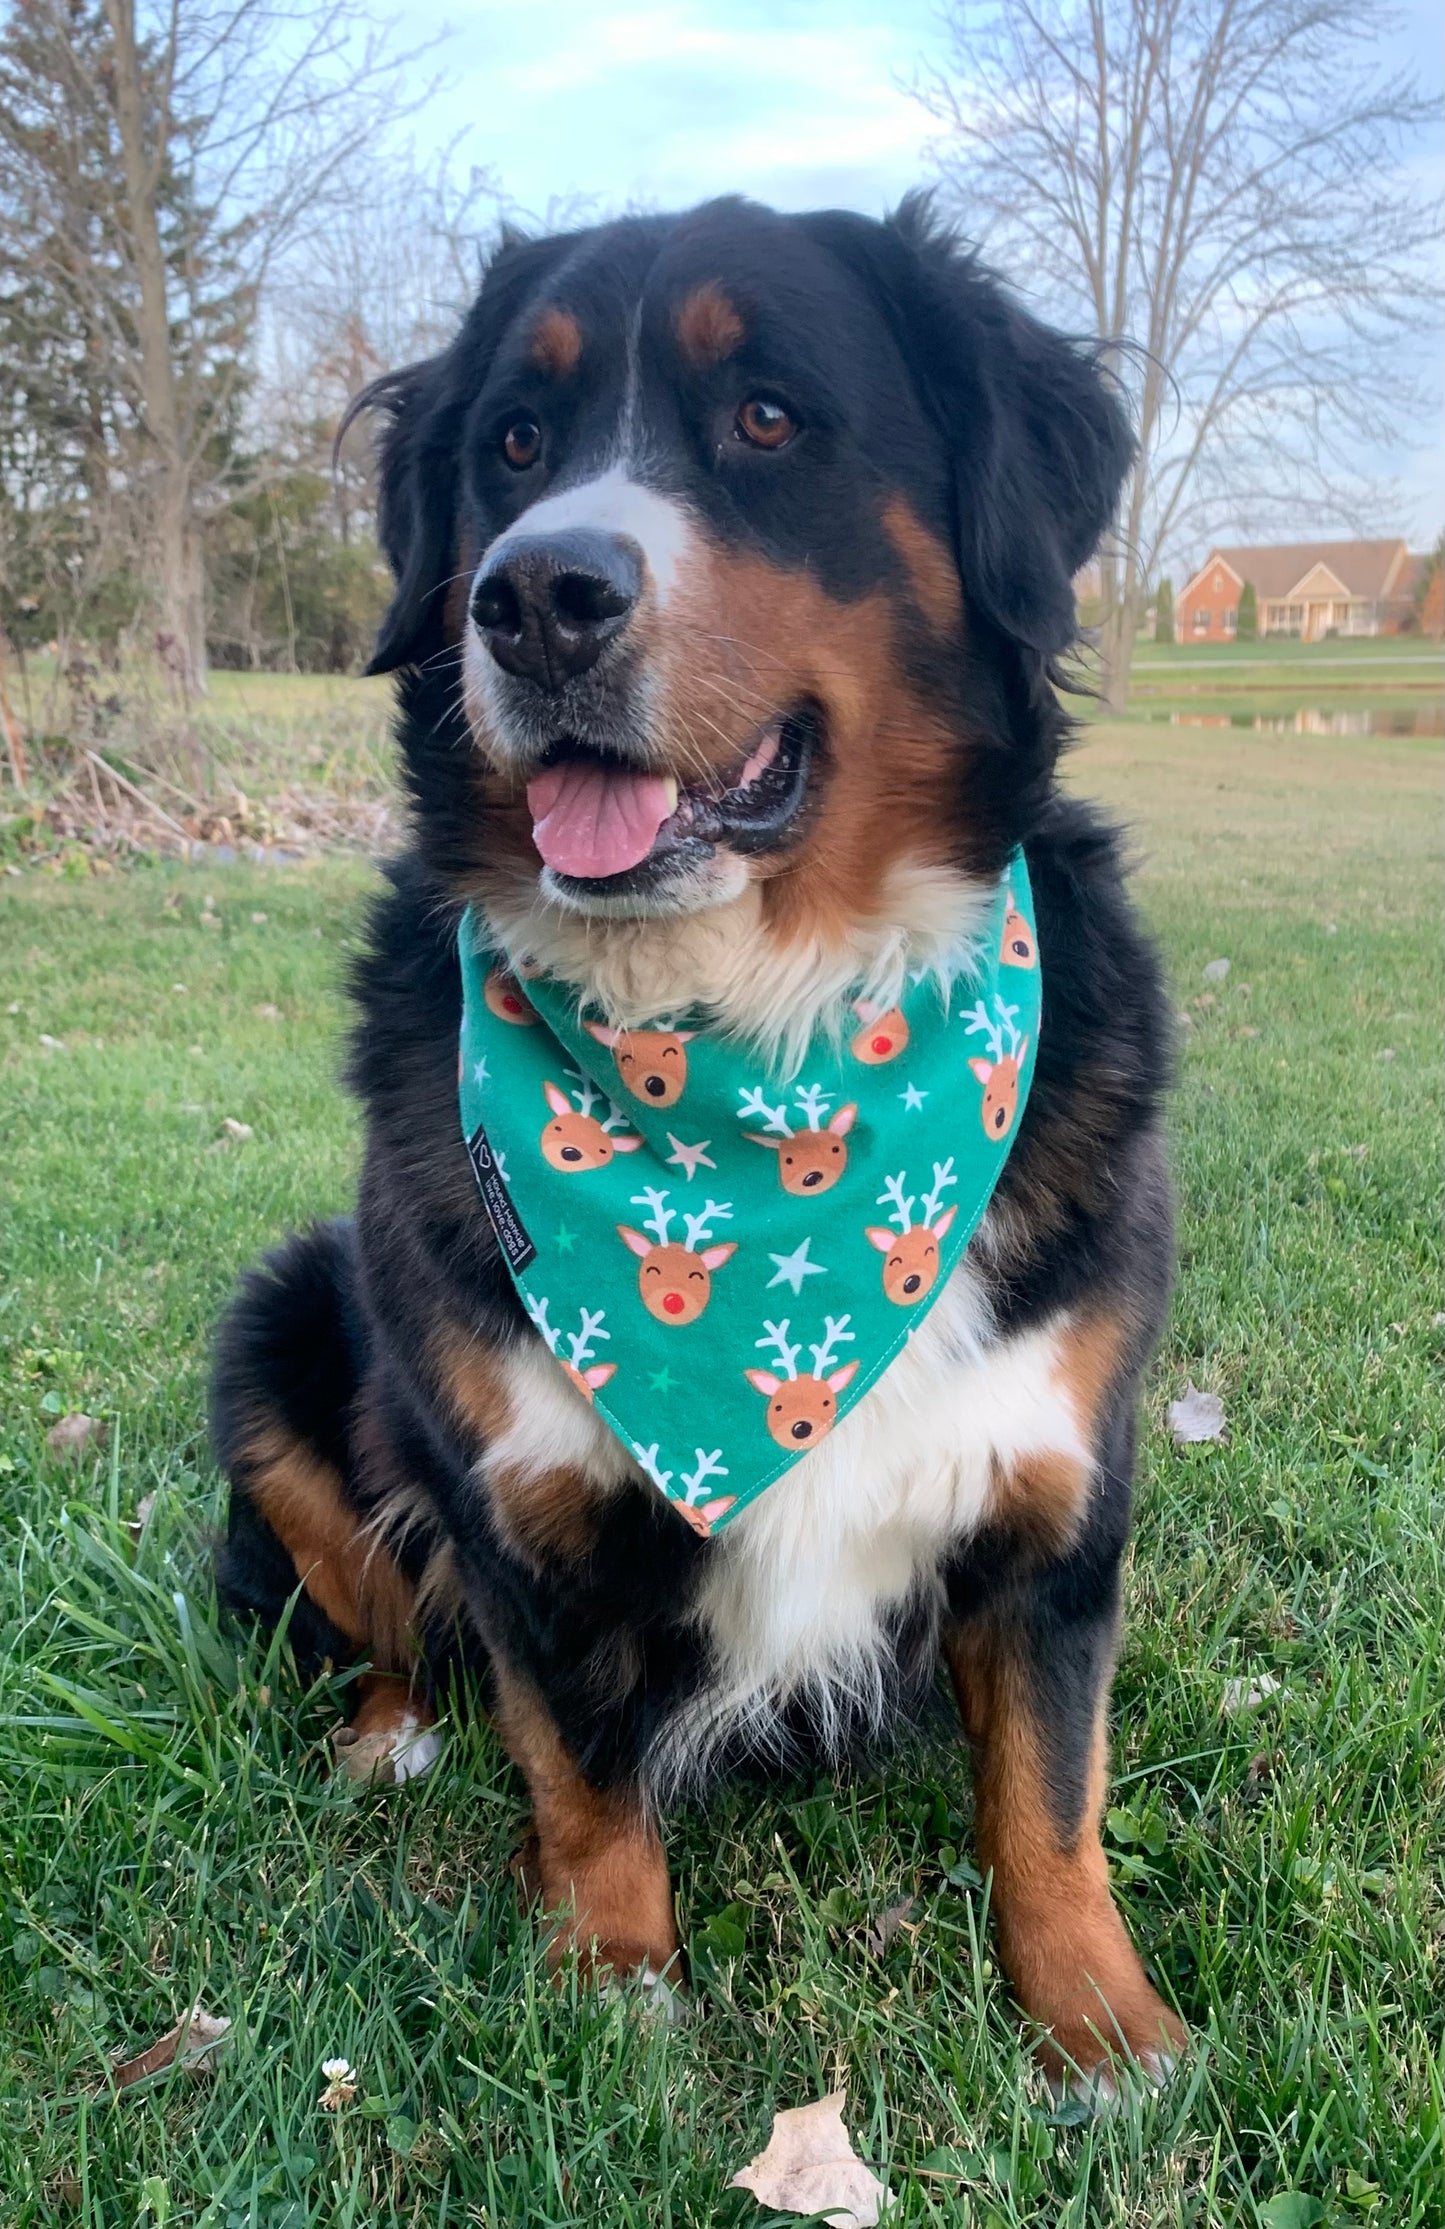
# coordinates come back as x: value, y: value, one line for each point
x: 765, y: 424
x: 522, y: 443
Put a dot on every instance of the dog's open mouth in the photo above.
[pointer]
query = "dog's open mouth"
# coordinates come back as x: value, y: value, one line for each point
x: 595, y: 818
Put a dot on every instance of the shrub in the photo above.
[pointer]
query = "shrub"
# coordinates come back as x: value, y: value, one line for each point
x: 1164, y: 612
x: 1246, y: 627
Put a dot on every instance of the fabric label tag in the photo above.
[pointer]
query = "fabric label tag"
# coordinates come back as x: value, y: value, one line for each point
x: 497, y: 1200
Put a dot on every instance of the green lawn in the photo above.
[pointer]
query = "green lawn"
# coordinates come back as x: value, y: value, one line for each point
x: 166, y: 1831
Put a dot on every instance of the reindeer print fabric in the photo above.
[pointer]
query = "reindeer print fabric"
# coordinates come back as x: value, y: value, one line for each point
x: 721, y: 1261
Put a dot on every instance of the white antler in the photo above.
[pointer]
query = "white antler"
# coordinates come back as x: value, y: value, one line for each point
x: 615, y: 1119
x: 696, y: 1226
x: 537, y: 1310
x: 755, y: 1108
x: 581, y: 1342
x: 835, y: 1332
x: 775, y: 1335
x: 708, y: 1466
x: 901, y: 1210
x: 584, y: 1091
x: 813, y: 1102
x: 943, y: 1176
x: 659, y: 1222
x: 995, y: 1028
x: 1008, y: 1023
x: 648, y: 1458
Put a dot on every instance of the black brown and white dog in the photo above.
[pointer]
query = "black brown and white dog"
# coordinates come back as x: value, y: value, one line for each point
x: 781, y: 513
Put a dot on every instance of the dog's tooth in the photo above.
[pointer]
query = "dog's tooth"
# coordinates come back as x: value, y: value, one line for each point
x: 669, y: 784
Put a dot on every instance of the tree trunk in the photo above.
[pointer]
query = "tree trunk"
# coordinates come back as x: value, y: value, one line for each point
x: 1118, y: 623
x: 180, y: 576
x: 1119, y: 632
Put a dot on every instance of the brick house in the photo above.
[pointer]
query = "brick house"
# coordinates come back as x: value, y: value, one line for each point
x: 1309, y: 589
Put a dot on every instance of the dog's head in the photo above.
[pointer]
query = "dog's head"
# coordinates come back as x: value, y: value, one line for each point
x: 744, y: 540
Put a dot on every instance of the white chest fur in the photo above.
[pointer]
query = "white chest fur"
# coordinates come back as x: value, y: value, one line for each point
x: 802, y: 1583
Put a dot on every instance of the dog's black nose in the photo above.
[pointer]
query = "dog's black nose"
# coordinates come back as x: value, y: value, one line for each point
x: 551, y: 603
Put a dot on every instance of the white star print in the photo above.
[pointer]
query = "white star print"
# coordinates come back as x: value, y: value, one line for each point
x: 913, y: 1098
x: 689, y: 1157
x: 479, y: 1073
x: 794, y: 1267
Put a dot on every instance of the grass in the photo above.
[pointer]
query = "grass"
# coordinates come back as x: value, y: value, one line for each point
x: 165, y: 1829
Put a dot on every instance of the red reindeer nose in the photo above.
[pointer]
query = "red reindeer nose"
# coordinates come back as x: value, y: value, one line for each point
x: 673, y: 1303
x: 511, y: 1004
x: 880, y: 1044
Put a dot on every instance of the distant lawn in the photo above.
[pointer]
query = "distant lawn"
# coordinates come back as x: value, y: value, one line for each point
x: 1407, y: 651
x: 166, y: 1828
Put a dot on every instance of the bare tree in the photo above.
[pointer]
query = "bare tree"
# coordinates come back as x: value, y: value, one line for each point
x: 164, y: 157
x: 387, y: 281
x: 1215, y: 191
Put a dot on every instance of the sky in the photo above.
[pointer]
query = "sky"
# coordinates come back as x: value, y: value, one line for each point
x: 801, y: 103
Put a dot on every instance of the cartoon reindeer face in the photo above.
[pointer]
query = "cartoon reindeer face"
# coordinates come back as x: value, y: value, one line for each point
x: 809, y: 1160
x: 884, y: 1034
x: 576, y: 1140
x: 913, y: 1251
x: 802, y: 1411
x: 504, y: 999
x: 586, y: 1375
x: 1018, y: 948
x: 651, y: 1062
x: 999, y: 1074
x: 674, y: 1276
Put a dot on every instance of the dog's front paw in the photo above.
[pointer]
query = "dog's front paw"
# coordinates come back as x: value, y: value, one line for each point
x: 392, y: 1739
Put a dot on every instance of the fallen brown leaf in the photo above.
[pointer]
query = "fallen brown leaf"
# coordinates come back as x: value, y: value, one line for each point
x: 888, y: 1923
x: 141, y: 1518
x: 267, y: 1013
x: 195, y: 2040
x: 73, y: 1434
x: 237, y: 1130
x: 1196, y: 1417
x: 808, y: 2165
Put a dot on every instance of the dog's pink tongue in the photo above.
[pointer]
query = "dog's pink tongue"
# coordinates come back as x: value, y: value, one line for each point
x: 596, y: 820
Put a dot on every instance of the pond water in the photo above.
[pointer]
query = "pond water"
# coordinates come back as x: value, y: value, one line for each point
x: 1356, y: 719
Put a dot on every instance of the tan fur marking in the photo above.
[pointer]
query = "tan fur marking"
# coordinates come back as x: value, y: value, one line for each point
x: 471, y: 1378
x: 1089, y: 1355
x: 932, y: 573
x: 385, y: 1704
x: 708, y: 327
x: 743, y: 639
x: 1063, y: 1943
x: 348, y: 1574
x: 556, y: 346
x: 598, y: 1858
x: 541, y: 1513
x: 1042, y: 1497
x: 545, y: 1513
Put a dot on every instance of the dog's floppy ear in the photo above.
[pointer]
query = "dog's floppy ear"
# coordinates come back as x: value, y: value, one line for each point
x: 1039, y: 439
x: 416, y: 504
x: 420, y: 461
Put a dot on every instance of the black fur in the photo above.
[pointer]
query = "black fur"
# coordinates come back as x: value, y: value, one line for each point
x: 916, y: 368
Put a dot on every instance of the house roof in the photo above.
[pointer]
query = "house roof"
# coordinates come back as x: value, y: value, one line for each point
x: 1278, y: 569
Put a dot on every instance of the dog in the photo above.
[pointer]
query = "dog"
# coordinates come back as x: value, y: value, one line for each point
x: 769, y: 522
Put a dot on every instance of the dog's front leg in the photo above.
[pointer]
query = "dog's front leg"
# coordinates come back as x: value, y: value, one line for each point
x: 595, y: 1856
x: 1032, y: 1677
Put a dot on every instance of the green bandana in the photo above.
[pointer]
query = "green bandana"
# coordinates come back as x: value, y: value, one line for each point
x: 725, y: 1263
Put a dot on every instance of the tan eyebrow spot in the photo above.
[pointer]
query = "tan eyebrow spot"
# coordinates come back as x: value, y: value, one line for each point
x: 708, y: 327
x: 556, y: 343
